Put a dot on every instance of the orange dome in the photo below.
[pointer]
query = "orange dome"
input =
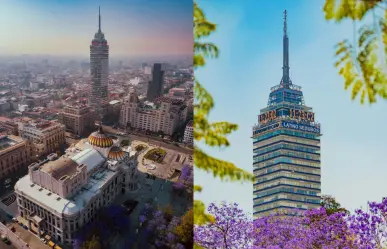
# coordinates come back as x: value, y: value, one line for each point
x: 100, y: 139
x: 116, y: 153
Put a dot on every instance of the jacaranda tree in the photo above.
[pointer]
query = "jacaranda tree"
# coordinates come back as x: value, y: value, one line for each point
x: 232, y: 228
x: 311, y: 229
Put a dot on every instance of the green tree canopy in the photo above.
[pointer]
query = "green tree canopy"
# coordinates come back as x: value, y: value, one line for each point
x: 212, y: 134
x: 360, y: 63
x: 331, y: 205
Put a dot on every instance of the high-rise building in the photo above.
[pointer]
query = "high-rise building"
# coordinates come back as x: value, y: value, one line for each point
x: 286, y: 149
x: 156, y: 86
x: 99, y: 70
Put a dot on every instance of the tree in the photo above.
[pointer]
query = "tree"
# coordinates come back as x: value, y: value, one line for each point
x: 92, y: 244
x: 360, y: 63
x: 185, y: 229
x: 212, y: 134
x: 231, y: 229
x: 331, y: 205
x: 311, y: 229
x: 371, y: 227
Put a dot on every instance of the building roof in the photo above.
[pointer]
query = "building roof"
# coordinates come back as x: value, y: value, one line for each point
x: 100, y: 139
x: 89, y: 157
x: 61, y: 167
x: 61, y: 205
x: 116, y: 153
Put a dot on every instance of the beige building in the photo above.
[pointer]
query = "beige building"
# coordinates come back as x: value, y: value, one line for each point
x: 15, y: 156
x: 9, y: 126
x: 47, y: 136
x: 61, y: 195
x: 166, y: 115
x: 77, y: 119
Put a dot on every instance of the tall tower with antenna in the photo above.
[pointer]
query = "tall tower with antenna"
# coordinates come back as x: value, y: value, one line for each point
x: 99, y: 70
x: 286, y: 149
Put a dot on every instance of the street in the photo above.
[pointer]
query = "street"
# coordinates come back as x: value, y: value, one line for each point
x: 149, y: 139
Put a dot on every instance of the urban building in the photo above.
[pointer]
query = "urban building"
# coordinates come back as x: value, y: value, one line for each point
x: 178, y: 93
x: 9, y: 126
x: 99, y: 70
x: 78, y: 119
x: 46, y: 136
x: 15, y: 156
x: 188, y: 133
x: 286, y: 149
x: 156, y: 86
x: 62, y: 194
x: 165, y: 116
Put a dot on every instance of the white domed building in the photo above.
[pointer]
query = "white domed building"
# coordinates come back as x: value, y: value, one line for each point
x: 60, y: 195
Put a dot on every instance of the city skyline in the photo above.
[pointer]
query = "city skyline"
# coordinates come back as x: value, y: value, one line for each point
x: 138, y: 28
x: 351, y: 143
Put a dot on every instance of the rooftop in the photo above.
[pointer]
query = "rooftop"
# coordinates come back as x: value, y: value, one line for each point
x: 61, y: 205
x: 60, y: 167
x: 91, y: 157
x: 7, y: 141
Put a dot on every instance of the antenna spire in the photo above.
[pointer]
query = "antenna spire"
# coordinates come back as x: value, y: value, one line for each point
x: 285, y: 67
x: 99, y: 19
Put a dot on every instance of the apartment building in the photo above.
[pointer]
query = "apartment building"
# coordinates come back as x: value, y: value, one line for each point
x: 165, y: 115
x: 47, y: 136
x: 78, y: 119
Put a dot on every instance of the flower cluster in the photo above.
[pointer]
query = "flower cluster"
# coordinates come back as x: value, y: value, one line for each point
x: 311, y: 229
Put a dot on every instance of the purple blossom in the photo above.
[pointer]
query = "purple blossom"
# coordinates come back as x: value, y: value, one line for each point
x: 232, y: 228
x: 309, y: 229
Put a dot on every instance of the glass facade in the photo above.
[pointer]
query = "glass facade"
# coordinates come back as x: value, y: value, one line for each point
x: 286, y: 150
x: 286, y: 155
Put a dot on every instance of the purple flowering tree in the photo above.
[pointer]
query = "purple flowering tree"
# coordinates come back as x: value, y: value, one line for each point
x: 160, y: 229
x: 308, y: 230
x: 312, y: 229
x: 371, y: 227
x: 232, y: 229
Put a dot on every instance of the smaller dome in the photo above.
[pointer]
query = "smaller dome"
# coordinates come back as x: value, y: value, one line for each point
x: 100, y: 139
x: 116, y: 153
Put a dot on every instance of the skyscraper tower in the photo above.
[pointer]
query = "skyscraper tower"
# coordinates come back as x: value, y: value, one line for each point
x: 156, y: 86
x: 286, y: 150
x: 99, y: 70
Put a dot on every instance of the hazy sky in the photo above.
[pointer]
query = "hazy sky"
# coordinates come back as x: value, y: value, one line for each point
x: 249, y: 37
x: 139, y: 27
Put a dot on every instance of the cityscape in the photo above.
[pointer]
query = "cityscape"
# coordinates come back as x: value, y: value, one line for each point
x: 94, y: 151
x: 193, y: 124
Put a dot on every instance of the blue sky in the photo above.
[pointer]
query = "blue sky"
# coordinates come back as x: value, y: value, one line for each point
x: 67, y: 26
x: 249, y: 37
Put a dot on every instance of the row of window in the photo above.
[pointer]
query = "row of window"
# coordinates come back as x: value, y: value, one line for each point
x: 285, y: 138
x: 280, y: 204
x: 286, y: 190
x: 283, y: 159
x: 290, y: 197
x: 288, y: 146
x: 285, y: 181
x: 277, y: 153
x: 288, y: 167
x: 287, y: 174
x: 286, y: 132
